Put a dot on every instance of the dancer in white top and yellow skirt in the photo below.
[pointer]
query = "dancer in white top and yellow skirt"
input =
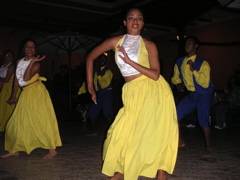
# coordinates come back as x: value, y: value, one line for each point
x: 33, y: 123
x: 7, y: 71
x: 143, y: 139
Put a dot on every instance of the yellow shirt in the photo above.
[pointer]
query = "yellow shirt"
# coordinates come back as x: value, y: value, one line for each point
x: 82, y: 89
x: 104, y: 80
x: 202, y: 76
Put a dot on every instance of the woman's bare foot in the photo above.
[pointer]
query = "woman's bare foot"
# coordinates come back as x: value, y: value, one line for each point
x: 117, y: 176
x: 207, y: 154
x: 10, y: 154
x: 161, y: 175
x: 52, y: 153
x: 181, y: 143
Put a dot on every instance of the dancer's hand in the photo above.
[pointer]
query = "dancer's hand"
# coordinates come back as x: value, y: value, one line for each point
x: 125, y: 58
x: 39, y: 58
x: 181, y: 87
x: 93, y: 94
x: 12, y: 100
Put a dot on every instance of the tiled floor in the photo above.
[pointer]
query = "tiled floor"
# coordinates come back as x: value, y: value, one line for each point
x: 80, y: 157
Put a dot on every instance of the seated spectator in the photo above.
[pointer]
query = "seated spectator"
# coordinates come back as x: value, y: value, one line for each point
x: 230, y: 99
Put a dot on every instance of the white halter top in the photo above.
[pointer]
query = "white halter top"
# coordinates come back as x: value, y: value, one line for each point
x: 131, y: 45
x: 20, y: 71
x: 4, y: 69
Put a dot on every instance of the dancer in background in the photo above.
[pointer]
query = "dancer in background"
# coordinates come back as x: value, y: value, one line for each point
x: 102, y: 83
x: 33, y: 123
x: 143, y: 139
x: 6, y: 80
x: 193, y: 72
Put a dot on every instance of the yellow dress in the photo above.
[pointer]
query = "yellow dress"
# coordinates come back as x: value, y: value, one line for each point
x: 6, y: 109
x: 144, y: 135
x: 33, y: 123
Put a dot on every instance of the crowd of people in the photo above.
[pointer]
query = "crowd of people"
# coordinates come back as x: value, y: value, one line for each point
x: 144, y: 137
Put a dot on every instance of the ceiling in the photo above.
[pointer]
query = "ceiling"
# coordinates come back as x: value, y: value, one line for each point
x: 101, y: 18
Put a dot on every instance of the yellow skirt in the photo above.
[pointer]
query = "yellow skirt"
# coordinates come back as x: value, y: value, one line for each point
x: 144, y: 136
x: 33, y: 123
x: 6, y: 109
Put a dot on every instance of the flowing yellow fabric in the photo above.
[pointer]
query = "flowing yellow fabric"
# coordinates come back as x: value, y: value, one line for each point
x: 6, y: 109
x: 144, y: 136
x: 33, y: 123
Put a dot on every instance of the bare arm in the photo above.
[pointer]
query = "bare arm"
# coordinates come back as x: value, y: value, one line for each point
x: 154, y: 71
x: 33, y: 68
x: 13, y: 98
x: 102, y: 48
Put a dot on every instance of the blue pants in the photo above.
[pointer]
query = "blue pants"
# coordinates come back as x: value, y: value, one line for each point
x: 195, y: 100
x: 104, y: 103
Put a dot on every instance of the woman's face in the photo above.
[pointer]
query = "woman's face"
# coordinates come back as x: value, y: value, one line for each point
x: 8, y: 58
x: 134, y: 22
x: 29, y: 49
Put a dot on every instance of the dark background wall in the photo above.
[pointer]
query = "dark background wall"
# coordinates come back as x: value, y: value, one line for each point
x: 221, y: 48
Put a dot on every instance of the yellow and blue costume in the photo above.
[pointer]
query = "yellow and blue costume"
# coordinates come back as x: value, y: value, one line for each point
x: 200, y: 86
x: 103, y: 86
